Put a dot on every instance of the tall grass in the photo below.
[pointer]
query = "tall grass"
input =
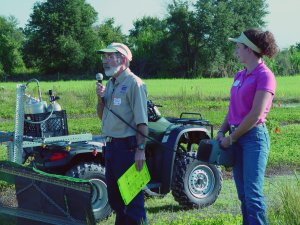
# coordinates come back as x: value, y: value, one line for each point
x: 287, y: 209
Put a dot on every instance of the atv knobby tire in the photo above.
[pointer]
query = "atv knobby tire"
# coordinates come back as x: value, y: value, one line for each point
x: 195, y: 183
x: 96, y: 174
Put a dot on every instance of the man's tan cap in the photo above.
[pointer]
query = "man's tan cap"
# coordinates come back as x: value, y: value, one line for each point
x: 117, y: 47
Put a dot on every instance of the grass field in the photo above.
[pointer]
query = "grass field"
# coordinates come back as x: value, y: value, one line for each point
x: 225, y: 211
x: 210, y: 98
x: 207, y: 96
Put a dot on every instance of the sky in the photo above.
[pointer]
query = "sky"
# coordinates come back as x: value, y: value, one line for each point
x: 281, y: 20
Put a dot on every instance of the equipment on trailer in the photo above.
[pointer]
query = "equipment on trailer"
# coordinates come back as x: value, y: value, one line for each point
x: 35, y: 197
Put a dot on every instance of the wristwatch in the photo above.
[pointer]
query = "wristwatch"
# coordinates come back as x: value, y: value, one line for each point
x: 141, y: 147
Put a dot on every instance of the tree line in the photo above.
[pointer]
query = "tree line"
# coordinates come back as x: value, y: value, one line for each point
x: 62, y: 37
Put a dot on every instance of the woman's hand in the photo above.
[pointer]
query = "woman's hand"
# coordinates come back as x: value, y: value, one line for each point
x: 220, y: 136
x: 226, y: 142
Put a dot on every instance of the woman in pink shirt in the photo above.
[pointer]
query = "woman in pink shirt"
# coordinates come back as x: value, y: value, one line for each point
x: 251, y: 98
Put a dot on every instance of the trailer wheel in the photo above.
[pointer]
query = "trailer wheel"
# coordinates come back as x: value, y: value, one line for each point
x: 96, y: 174
x: 196, y: 184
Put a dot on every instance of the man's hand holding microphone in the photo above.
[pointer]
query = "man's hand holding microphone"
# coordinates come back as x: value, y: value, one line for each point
x: 100, y: 91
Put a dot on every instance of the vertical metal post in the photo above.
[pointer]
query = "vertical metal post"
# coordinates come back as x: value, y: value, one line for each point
x: 10, y: 150
x: 16, y: 152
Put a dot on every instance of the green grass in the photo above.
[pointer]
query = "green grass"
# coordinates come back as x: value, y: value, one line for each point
x: 206, y: 96
x: 226, y: 210
x: 285, y: 146
x: 286, y: 209
x: 210, y: 98
x: 3, y: 156
x: 203, y: 95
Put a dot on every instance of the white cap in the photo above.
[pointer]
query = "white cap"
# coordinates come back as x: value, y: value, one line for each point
x: 118, y: 47
x: 244, y: 40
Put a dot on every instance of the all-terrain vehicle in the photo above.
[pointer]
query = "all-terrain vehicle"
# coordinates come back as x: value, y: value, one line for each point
x: 170, y: 152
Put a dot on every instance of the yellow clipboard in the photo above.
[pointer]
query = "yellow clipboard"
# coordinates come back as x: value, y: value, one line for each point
x: 132, y: 182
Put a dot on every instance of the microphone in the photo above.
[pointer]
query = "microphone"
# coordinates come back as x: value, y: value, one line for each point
x: 99, y: 77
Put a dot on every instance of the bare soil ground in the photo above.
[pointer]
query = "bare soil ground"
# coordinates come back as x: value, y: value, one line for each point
x: 271, y: 172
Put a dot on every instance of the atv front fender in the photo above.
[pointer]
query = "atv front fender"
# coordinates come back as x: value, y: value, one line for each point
x: 170, y: 142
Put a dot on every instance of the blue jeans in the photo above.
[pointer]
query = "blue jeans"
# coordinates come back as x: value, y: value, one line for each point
x: 119, y: 156
x: 251, y: 156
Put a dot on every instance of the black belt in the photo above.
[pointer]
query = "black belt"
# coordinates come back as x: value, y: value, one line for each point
x: 113, y: 139
x: 234, y: 127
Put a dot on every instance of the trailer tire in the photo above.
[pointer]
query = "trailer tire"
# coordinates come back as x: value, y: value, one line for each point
x: 96, y: 174
x: 196, y: 184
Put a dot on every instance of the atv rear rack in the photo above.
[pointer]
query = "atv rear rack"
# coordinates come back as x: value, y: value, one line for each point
x: 35, y: 141
x: 191, y: 121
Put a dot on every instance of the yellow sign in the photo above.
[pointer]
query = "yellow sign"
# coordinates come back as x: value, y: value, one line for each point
x: 132, y: 182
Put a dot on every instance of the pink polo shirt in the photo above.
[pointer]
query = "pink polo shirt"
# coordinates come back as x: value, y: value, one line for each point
x: 243, y: 91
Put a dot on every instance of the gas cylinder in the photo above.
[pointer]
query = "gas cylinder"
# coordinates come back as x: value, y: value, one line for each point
x: 35, y: 106
x: 54, y: 106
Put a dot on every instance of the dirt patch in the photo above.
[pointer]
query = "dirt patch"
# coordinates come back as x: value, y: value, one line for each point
x: 280, y: 170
